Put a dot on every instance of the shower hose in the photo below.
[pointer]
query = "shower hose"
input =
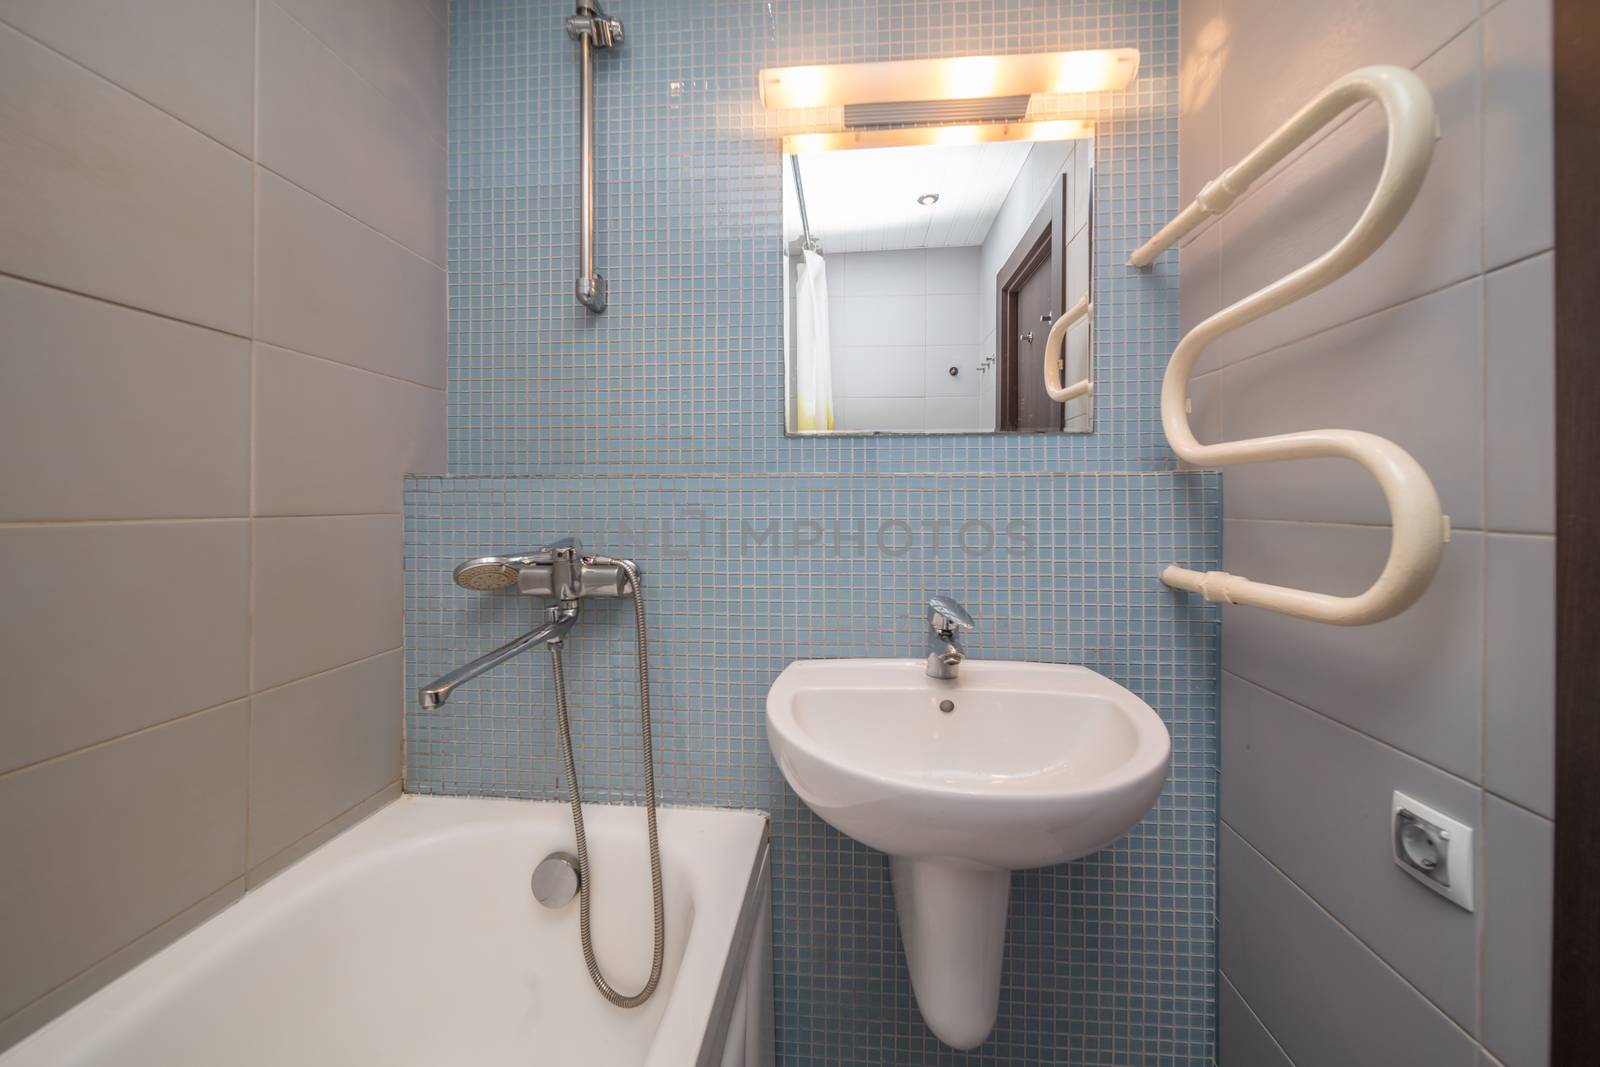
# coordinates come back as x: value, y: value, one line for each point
x: 585, y: 934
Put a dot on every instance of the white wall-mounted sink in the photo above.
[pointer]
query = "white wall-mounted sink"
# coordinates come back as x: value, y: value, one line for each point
x: 1032, y: 764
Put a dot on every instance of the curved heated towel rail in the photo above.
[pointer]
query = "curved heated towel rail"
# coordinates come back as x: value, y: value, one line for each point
x: 1420, y: 529
x: 1053, y: 345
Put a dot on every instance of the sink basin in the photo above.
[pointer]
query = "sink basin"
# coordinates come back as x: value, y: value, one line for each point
x: 1031, y: 764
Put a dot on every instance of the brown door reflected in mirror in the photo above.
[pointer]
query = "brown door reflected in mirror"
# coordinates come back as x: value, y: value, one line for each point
x: 1030, y: 291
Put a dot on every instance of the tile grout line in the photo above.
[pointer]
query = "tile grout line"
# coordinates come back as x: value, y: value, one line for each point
x: 244, y: 696
x: 1265, y: 1029
x: 1325, y: 717
x: 350, y: 366
x: 1481, y: 276
x: 125, y: 736
x: 255, y: 302
x: 98, y: 299
x: 185, y: 123
x: 319, y: 198
x: 443, y: 145
x: 179, y: 520
x: 1480, y: 842
x: 246, y: 337
x: 1485, y: 532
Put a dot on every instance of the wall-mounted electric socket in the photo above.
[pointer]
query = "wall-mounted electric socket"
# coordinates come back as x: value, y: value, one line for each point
x: 1433, y: 848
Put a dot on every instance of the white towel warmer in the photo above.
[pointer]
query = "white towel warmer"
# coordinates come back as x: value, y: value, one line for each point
x: 1053, y: 345
x: 1419, y: 528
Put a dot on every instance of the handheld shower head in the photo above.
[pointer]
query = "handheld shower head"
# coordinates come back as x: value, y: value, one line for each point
x: 486, y: 573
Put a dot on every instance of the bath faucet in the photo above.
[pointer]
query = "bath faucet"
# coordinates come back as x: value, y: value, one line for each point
x: 558, y: 619
x: 559, y: 570
x: 946, y: 621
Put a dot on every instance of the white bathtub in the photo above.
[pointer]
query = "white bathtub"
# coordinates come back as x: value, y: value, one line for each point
x: 413, y: 939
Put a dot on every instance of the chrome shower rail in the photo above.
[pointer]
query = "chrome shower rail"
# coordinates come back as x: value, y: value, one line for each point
x: 592, y: 28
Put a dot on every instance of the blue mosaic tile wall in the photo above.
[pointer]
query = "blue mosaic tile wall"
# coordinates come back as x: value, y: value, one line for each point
x: 656, y: 431
x: 1109, y: 960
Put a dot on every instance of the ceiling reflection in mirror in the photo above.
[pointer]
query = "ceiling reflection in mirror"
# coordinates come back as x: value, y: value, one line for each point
x: 939, y: 288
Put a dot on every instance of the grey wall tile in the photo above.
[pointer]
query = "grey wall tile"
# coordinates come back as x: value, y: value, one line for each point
x: 1292, y: 218
x: 107, y: 844
x: 1203, y: 46
x: 1410, y: 374
x: 1282, y: 52
x: 331, y: 439
x: 325, y: 593
x: 330, y: 131
x: 1414, y: 681
x: 1315, y: 797
x: 1518, y: 131
x: 193, y: 58
x: 332, y: 286
x: 320, y: 746
x: 1329, y: 1001
x: 1206, y: 400
x: 1519, y: 739
x: 111, y: 628
x: 1520, y: 439
x: 1519, y: 860
x: 85, y: 160
x: 1241, y: 1039
x: 111, y: 413
x: 1200, y: 295
x: 397, y: 45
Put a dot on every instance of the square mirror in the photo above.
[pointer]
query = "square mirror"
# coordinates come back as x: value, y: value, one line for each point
x: 922, y: 282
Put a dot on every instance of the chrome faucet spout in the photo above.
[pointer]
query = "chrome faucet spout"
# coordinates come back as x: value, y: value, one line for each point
x: 558, y: 620
x: 944, y: 659
x: 947, y: 620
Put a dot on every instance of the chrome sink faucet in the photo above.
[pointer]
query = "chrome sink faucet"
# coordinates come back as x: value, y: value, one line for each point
x: 946, y: 622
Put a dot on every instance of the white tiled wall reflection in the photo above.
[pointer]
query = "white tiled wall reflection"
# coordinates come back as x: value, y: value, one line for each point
x: 901, y: 321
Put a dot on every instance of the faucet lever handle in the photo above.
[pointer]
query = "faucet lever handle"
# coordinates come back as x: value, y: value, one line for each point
x: 947, y: 616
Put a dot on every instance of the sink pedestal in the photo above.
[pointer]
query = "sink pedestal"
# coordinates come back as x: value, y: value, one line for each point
x: 953, y: 923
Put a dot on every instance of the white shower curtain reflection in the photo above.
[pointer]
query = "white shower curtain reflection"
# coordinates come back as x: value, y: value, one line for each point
x: 813, y: 365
